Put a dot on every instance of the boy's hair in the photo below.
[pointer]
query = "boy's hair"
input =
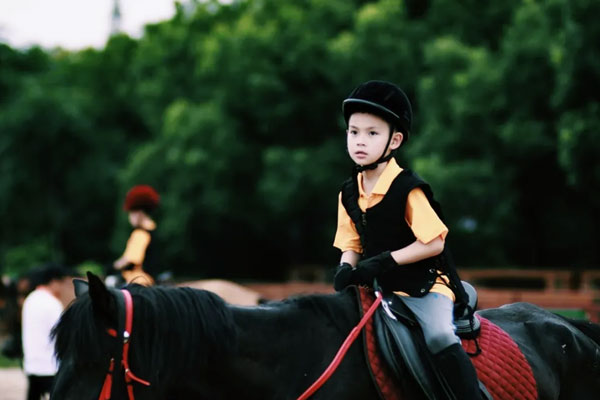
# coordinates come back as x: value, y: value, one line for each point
x: 383, y: 99
x: 49, y: 272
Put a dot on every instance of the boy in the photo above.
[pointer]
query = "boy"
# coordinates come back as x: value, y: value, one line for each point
x: 139, y: 256
x: 389, y: 228
x: 41, y: 310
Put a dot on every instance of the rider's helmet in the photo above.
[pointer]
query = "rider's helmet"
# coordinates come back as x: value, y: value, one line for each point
x: 383, y: 99
x: 141, y: 197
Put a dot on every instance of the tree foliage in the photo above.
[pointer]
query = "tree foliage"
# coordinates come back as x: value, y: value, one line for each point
x: 232, y: 111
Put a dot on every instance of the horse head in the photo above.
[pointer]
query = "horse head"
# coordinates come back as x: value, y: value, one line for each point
x: 90, y: 340
x: 174, y: 337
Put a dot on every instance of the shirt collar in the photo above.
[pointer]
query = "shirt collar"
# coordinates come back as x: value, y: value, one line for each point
x: 391, y: 171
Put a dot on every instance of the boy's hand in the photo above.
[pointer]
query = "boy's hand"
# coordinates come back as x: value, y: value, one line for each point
x: 367, y: 270
x: 343, y: 276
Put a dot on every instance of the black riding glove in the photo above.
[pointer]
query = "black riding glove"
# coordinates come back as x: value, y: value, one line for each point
x: 367, y: 270
x: 343, y: 276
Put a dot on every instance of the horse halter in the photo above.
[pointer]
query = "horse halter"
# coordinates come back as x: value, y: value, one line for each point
x: 124, y: 330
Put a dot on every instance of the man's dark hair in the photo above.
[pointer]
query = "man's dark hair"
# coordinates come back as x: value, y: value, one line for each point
x: 49, y: 272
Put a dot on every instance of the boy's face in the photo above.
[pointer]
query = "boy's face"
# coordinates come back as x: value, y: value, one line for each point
x: 63, y: 289
x: 135, y: 217
x: 367, y: 136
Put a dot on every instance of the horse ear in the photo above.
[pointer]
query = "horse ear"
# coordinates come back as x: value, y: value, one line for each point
x: 102, y: 301
x: 81, y: 287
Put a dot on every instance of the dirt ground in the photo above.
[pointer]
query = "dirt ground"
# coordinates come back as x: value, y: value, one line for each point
x: 13, y: 384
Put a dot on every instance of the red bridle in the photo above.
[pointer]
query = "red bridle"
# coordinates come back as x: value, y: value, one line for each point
x: 129, y: 376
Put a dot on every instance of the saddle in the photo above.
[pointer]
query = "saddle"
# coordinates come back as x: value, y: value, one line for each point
x: 395, y: 344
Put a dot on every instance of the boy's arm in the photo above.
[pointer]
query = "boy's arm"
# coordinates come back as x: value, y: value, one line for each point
x: 418, y: 251
x: 430, y: 233
x: 351, y: 257
x: 135, y: 250
x: 121, y: 263
x: 347, y: 239
x: 429, y: 230
x: 427, y: 227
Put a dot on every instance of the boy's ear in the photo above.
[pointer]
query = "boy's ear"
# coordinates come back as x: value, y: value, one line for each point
x: 397, y: 139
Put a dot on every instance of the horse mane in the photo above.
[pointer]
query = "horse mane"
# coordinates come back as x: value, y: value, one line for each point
x: 172, y: 326
x: 314, y: 301
x: 74, y: 332
x: 332, y: 307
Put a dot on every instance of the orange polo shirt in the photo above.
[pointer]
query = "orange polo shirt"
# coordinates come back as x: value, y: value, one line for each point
x: 135, y: 251
x: 419, y: 215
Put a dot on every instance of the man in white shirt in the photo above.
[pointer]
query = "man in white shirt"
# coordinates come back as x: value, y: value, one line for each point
x: 41, y: 310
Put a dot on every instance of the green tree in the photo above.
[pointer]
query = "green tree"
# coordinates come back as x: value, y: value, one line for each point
x: 233, y: 112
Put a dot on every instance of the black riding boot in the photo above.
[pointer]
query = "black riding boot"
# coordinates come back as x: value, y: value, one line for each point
x: 455, y: 366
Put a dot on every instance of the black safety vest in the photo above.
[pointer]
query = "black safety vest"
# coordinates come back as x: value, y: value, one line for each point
x: 151, y: 262
x: 383, y: 228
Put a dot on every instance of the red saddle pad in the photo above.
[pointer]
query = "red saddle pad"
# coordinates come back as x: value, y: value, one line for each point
x: 501, y: 365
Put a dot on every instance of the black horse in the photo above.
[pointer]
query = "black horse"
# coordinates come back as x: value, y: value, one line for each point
x: 190, y: 344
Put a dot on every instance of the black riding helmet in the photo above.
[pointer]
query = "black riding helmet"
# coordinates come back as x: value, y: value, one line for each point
x: 385, y: 100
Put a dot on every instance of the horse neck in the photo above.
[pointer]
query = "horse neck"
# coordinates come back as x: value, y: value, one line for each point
x: 283, y: 349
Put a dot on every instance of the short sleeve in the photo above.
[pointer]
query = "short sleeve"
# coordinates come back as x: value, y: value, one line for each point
x: 138, y: 242
x: 422, y: 218
x: 346, y: 236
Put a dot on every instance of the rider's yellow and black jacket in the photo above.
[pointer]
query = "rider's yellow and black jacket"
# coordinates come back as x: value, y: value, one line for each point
x: 399, y: 210
x: 141, y: 254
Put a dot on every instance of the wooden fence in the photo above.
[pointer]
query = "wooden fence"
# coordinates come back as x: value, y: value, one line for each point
x: 574, y: 292
x: 552, y: 289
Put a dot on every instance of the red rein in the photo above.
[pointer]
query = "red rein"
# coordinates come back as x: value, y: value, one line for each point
x: 129, y: 376
x: 342, y: 351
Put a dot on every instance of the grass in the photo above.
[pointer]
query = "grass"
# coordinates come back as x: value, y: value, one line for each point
x: 8, y: 362
x: 571, y: 313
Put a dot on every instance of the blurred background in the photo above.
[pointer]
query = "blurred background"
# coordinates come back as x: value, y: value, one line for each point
x: 232, y: 112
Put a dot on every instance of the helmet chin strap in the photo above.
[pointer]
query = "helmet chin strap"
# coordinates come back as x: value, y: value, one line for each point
x: 382, y: 159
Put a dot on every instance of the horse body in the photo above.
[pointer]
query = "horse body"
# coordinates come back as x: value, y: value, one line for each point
x: 190, y: 344
x: 283, y: 348
x: 564, y: 361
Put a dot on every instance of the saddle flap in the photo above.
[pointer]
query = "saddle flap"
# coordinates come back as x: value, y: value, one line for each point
x: 396, y: 343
